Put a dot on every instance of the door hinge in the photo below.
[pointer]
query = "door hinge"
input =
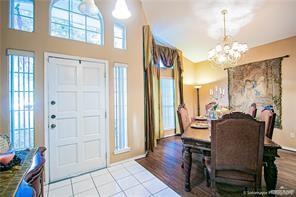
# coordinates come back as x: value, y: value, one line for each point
x: 105, y: 114
x: 105, y: 75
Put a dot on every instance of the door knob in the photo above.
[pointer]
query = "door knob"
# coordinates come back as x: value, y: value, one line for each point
x: 53, y: 116
x: 52, y: 102
x: 52, y: 126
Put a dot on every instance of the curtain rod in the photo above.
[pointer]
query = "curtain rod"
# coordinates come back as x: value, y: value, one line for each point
x: 285, y: 56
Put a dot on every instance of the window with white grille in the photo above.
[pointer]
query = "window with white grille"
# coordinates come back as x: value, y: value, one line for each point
x: 21, y: 15
x: 120, y: 108
x: 21, y: 98
x: 68, y: 22
x: 119, y: 36
x: 168, y: 104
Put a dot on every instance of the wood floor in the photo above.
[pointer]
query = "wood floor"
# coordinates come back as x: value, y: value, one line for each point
x: 165, y: 163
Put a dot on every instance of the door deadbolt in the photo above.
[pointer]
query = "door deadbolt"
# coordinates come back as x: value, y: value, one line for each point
x: 53, y: 116
x: 52, y: 126
x: 52, y: 102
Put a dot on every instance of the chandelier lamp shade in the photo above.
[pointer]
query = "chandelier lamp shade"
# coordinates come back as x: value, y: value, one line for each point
x: 88, y: 7
x: 121, y: 10
x: 228, y: 52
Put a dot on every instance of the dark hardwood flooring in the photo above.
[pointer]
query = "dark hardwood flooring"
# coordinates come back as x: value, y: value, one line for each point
x: 165, y: 163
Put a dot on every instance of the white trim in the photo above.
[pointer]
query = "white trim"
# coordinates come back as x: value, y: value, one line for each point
x: 19, y: 52
x: 130, y: 159
x: 46, y: 136
x: 289, y: 149
x: 127, y: 149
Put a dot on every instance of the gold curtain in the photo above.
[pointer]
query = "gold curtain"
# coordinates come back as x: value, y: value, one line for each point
x: 153, y: 112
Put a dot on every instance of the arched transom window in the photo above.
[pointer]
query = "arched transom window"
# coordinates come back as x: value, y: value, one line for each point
x: 68, y: 22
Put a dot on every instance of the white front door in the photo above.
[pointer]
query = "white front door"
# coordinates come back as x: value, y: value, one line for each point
x: 76, y: 117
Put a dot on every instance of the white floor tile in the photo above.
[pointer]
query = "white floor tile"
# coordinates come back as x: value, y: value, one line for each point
x: 144, y: 176
x: 88, y: 193
x: 115, y: 167
x: 65, y: 191
x: 130, y: 163
x: 128, y: 182
x: 99, y: 172
x: 168, y: 192
x: 109, y: 189
x: 119, y: 174
x: 138, y: 191
x: 81, y: 178
x: 59, y: 184
x: 121, y: 194
x: 103, y: 179
x: 154, y: 185
x: 135, y: 168
x: 82, y: 186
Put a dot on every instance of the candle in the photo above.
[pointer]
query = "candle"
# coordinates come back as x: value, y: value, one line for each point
x: 211, y: 92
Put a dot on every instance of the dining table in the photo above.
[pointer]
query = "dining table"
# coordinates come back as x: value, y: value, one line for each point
x: 200, y: 139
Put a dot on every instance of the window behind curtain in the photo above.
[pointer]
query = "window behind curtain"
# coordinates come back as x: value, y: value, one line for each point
x: 68, y: 22
x: 120, y: 108
x: 119, y: 36
x: 168, y: 106
x: 21, y: 15
x: 21, y: 99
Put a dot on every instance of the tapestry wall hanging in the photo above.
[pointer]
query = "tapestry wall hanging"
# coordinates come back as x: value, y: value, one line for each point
x: 258, y: 82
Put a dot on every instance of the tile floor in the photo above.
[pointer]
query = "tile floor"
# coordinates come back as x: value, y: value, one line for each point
x: 126, y: 179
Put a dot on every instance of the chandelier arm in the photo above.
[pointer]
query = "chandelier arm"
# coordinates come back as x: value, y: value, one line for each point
x: 224, y: 25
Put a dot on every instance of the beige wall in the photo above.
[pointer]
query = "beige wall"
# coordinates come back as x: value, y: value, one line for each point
x: 188, y: 87
x: 209, y: 77
x: 41, y: 42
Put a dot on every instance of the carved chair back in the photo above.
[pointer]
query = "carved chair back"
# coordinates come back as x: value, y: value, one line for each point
x: 268, y: 116
x: 183, y: 117
x: 236, y: 156
x: 253, y: 110
x: 35, y: 175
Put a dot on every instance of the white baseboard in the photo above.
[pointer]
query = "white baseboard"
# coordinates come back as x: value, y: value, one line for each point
x: 126, y: 160
x: 288, y: 148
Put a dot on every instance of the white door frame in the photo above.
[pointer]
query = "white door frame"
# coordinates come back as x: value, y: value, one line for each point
x: 46, y: 129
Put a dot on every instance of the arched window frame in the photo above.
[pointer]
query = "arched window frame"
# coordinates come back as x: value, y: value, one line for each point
x: 69, y: 24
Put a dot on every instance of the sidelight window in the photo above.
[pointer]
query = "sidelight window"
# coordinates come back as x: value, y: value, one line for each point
x: 120, y: 108
x: 21, y: 98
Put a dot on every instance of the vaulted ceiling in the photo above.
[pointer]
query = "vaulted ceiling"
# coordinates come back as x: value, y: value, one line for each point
x: 195, y: 26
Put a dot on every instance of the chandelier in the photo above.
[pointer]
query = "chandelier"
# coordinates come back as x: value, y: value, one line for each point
x: 88, y: 7
x: 121, y: 10
x: 227, y: 54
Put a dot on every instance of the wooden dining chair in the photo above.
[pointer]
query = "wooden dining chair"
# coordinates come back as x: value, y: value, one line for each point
x: 253, y: 110
x: 268, y: 116
x: 183, y: 117
x: 24, y: 189
x: 236, y: 157
x: 35, y: 175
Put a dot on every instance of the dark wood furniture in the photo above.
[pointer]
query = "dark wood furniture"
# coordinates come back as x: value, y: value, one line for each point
x: 183, y: 117
x: 14, y: 181
x: 253, y: 110
x: 268, y: 116
x: 25, y: 189
x: 239, y: 163
x: 194, y: 138
x: 35, y: 175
